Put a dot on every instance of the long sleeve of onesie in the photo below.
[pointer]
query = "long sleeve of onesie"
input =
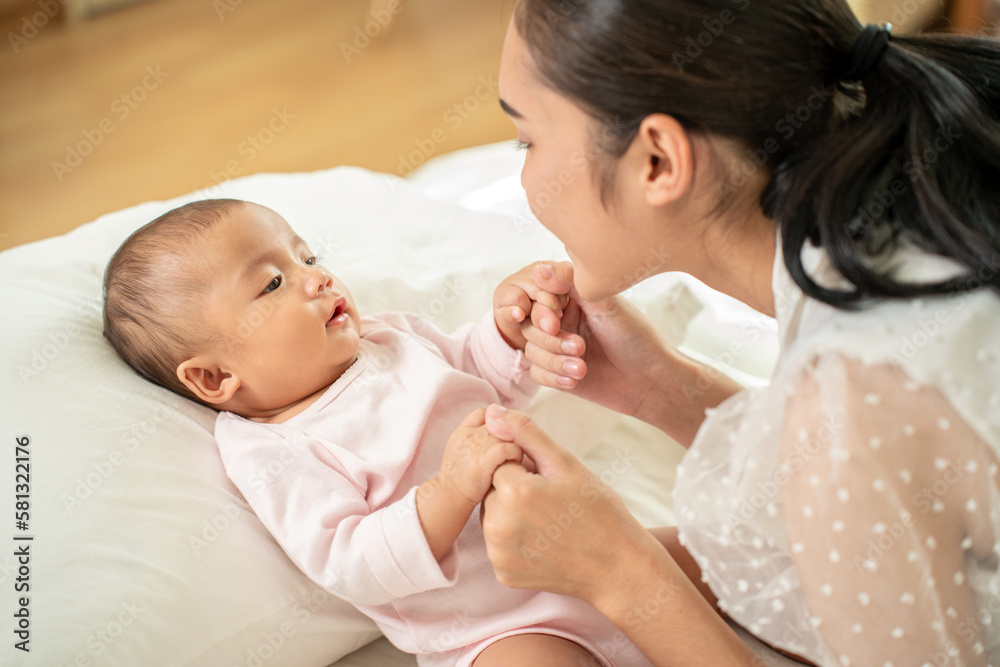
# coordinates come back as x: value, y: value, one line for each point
x: 477, y: 349
x: 336, y: 483
x: 307, y: 492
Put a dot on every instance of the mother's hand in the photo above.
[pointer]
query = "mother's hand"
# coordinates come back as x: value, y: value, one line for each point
x: 560, y: 528
x: 618, y: 354
x: 608, y: 352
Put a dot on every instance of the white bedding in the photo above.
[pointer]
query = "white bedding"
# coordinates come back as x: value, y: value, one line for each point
x: 143, y: 552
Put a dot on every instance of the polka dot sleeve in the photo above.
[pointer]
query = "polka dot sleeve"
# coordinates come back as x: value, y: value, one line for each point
x: 891, y: 525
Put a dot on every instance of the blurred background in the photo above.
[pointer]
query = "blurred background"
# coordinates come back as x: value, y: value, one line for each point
x: 105, y: 104
x: 109, y: 103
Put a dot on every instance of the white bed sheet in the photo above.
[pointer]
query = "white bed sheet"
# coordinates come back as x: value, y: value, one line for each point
x: 145, y: 553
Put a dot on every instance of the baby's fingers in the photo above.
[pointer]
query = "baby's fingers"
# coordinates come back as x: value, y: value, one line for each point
x: 549, y: 300
x: 511, y: 305
x: 554, y: 277
x: 499, y: 453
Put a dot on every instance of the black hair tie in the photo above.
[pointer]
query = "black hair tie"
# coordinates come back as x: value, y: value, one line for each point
x: 871, y: 43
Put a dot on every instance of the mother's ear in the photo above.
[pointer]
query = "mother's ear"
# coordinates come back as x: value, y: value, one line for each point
x: 207, y: 380
x: 662, y: 148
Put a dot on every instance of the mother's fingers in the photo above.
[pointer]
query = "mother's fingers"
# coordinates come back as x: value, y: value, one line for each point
x: 549, y: 342
x: 548, y: 530
x: 546, y: 318
x: 550, y: 458
x: 558, y: 338
x: 548, y: 368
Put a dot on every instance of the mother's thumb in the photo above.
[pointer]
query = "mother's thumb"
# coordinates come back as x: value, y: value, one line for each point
x: 496, y: 423
x: 517, y: 427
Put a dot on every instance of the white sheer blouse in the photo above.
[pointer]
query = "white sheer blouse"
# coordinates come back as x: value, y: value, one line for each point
x: 849, y: 512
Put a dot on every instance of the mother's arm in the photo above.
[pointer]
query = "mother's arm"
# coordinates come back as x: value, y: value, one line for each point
x: 623, y: 361
x: 562, y: 530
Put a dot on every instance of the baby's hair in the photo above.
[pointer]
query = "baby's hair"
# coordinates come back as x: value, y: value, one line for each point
x: 152, y: 296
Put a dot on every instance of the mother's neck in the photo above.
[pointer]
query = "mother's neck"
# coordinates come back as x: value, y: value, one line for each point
x: 737, y: 258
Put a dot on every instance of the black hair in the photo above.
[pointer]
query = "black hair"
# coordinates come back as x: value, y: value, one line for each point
x: 910, y: 153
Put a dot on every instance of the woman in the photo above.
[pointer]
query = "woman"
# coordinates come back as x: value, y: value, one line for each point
x: 841, y: 179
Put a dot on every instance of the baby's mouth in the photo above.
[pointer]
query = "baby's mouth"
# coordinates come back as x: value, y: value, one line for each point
x: 339, y: 315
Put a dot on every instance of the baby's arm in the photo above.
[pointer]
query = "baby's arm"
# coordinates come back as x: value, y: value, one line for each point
x: 516, y: 296
x: 445, y: 502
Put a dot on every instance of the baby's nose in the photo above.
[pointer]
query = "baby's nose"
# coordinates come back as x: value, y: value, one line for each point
x: 319, y: 283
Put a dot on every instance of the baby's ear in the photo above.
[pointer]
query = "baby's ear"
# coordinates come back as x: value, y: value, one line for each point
x: 207, y: 381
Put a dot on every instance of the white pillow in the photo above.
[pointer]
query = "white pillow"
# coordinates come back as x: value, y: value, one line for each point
x: 143, y: 552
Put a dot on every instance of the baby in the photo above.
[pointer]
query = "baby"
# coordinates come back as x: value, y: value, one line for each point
x: 358, y: 441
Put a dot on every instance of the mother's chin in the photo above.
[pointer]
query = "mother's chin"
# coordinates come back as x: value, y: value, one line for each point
x: 597, y: 285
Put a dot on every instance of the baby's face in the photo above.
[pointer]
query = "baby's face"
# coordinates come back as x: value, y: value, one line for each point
x: 288, y: 327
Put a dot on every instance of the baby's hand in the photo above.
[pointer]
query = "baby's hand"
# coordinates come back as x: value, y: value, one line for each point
x: 471, y: 457
x: 516, y: 296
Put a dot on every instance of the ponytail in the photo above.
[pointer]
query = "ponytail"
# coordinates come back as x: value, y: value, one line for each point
x: 921, y: 163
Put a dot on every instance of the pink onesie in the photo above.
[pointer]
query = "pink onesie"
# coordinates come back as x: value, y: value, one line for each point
x: 335, y: 485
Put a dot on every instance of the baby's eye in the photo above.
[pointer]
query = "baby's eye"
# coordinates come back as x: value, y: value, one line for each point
x: 312, y: 261
x: 273, y: 285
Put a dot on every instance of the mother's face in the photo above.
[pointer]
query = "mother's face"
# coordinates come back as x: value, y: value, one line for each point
x: 609, y: 249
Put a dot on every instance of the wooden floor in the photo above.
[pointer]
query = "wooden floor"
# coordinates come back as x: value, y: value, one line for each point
x: 167, y: 96
x: 164, y: 97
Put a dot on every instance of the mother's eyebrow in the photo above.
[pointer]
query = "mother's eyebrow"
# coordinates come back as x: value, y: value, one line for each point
x: 509, y: 110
